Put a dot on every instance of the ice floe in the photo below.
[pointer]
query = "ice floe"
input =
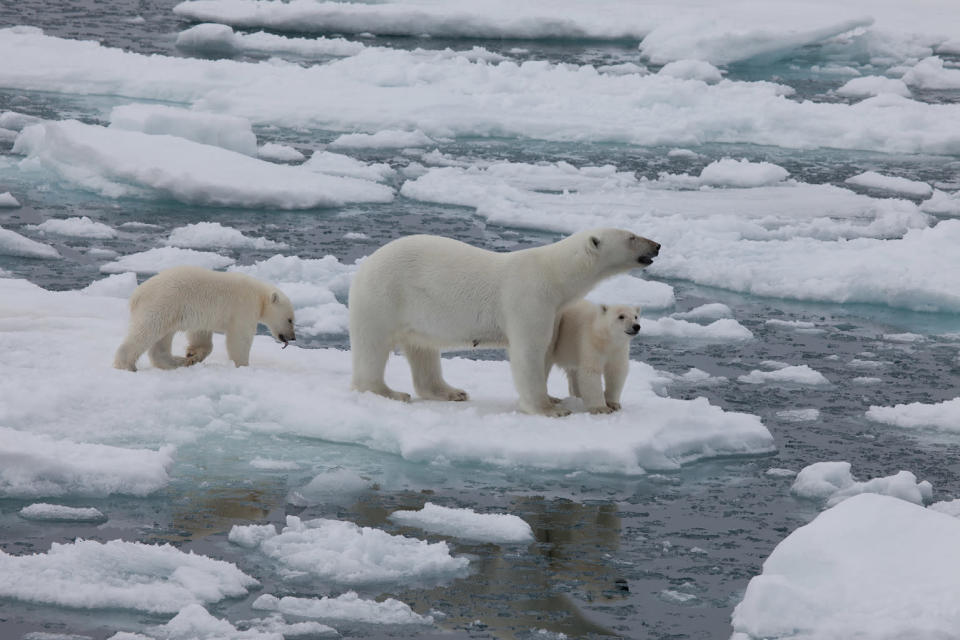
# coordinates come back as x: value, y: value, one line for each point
x: 870, y: 567
x: 722, y: 330
x: 280, y: 391
x: 891, y: 184
x: 213, y: 235
x: 221, y: 39
x: 14, y: 244
x: 382, y: 139
x: 834, y: 483
x: 795, y: 374
x: 77, y: 227
x: 117, y: 285
x: 279, y: 153
x: 931, y: 73
x: 345, y: 554
x: 466, y: 524
x: 944, y: 416
x: 194, y: 622
x: 119, y: 163
x: 710, y: 311
x: 799, y: 415
x: 7, y: 201
x: 346, y: 607
x: 337, y: 164
x: 692, y: 70
x: 61, y: 513
x: 628, y: 289
x: 230, y: 132
x: 867, y: 86
x: 120, y: 575
x: 728, y: 172
x: 160, y: 258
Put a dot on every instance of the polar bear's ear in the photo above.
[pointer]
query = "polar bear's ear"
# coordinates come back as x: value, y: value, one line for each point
x: 638, y: 310
x: 275, y: 298
x: 603, y: 308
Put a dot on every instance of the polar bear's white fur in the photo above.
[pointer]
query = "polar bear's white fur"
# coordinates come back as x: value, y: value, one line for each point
x: 428, y: 293
x: 201, y: 302
x: 594, y: 341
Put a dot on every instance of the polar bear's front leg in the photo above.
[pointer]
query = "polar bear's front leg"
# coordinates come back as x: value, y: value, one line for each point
x: 199, y: 346
x: 428, y: 376
x: 528, y: 353
x: 591, y: 390
x: 239, y: 341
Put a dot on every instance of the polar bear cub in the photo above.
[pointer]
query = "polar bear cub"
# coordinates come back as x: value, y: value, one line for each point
x: 593, y: 341
x: 201, y: 302
x: 428, y: 293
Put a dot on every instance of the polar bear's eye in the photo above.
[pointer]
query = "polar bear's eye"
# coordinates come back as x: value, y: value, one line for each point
x: 621, y: 317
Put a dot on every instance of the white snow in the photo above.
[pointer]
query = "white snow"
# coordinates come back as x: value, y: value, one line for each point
x: 710, y: 311
x: 220, y: 39
x: 692, y: 70
x: 870, y: 567
x: 722, y: 330
x: 279, y: 153
x: 213, y: 235
x: 118, y: 285
x: 343, y: 553
x: 949, y: 507
x: 119, y: 575
x: 14, y: 244
x: 799, y: 415
x: 194, y: 622
x: 628, y: 289
x: 337, y: 164
x: 34, y: 464
x: 931, y: 73
x: 466, y: 524
x: 742, y: 174
x: 944, y: 416
x: 118, y: 163
x: 61, y: 513
x: 7, y: 201
x: 347, y: 607
x: 833, y: 482
x: 891, y: 184
x: 160, y: 258
x: 280, y: 391
x: 796, y: 374
x: 230, y: 132
x: 77, y: 227
x: 867, y: 86
x: 386, y: 139
x: 942, y: 203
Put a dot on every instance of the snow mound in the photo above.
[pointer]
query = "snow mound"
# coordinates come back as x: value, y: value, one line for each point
x: 742, y: 174
x: 344, y: 553
x: 155, y: 260
x: 7, y: 201
x: 833, y: 482
x: 61, y: 513
x: 34, y: 465
x: 347, y: 607
x: 891, y: 184
x: 930, y: 73
x: 279, y: 153
x: 692, y: 70
x: 213, y: 235
x: 229, y: 132
x: 870, y: 567
x: 867, y: 86
x: 944, y: 416
x: 78, y: 227
x: 120, y: 575
x: 118, y: 285
x: 118, y: 163
x: 386, y: 139
x: 466, y: 524
x: 215, y: 39
x: 723, y: 330
x: 796, y: 374
x: 14, y: 244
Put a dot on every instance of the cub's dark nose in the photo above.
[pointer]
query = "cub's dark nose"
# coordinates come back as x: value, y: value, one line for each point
x: 636, y: 328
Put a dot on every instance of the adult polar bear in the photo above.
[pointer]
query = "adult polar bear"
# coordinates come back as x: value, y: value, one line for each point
x: 427, y: 293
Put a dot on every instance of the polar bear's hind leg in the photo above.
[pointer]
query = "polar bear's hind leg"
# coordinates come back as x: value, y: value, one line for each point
x: 199, y: 346
x: 428, y: 376
x: 160, y: 354
x: 370, y: 353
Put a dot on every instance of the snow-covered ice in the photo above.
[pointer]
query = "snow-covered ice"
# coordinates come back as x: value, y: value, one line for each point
x: 628, y: 289
x: 382, y: 139
x: 834, y: 483
x: 799, y: 415
x: 345, y: 554
x: 77, y: 227
x: 338, y: 164
x: 160, y: 258
x: 14, y: 244
x: 870, y: 567
x: 333, y: 486
x: 346, y: 607
x: 944, y: 415
x: 796, y: 374
x: 722, y: 330
x: 45, y: 511
x: 213, y: 38
x: 710, y: 311
x: 742, y: 174
x: 118, y: 574
x: 466, y: 524
x: 7, y: 201
x: 230, y: 132
x: 891, y: 184
x: 194, y: 622
x: 931, y: 73
x: 213, y: 235
x: 279, y: 153
x: 867, y: 86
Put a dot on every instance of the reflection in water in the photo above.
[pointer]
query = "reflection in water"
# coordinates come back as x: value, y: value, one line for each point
x: 203, y: 512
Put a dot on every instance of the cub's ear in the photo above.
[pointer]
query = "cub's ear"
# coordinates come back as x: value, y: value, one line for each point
x: 594, y: 242
x: 275, y: 298
x: 603, y: 308
x: 638, y: 310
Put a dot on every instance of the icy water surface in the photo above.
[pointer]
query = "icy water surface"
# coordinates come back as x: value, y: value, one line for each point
x: 662, y: 555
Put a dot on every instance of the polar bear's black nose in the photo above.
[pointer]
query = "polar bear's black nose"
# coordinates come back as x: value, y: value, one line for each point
x: 636, y: 328
x: 656, y: 248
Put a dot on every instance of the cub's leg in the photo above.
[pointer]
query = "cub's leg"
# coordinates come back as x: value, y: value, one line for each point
x: 614, y: 376
x: 239, y: 341
x: 199, y: 346
x: 591, y: 388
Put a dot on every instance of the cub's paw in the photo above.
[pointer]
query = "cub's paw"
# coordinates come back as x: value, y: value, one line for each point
x: 457, y: 395
x: 613, y: 406
x: 603, y: 409
x: 399, y: 395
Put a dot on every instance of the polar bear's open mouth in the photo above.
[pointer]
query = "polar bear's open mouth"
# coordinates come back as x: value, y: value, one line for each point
x: 645, y: 260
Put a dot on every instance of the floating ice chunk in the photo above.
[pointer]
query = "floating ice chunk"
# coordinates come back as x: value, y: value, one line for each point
x: 866, y: 380
x: 627, y: 289
x: 7, y: 201
x: 949, y: 507
x: 213, y: 235
x: 723, y: 330
x: 14, y: 244
x: 711, y: 311
x: 337, y: 164
x: 467, y: 524
x: 622, y: 69
x: 230, y: 132
x: 61, y: 513
x: 833, y: 482
x: 155, y: 260
x: 686, y: 154
x: 873, y: 86
x: 344, y: 553
x: 949, y: 47
x: 791, y: 324
x: 334, y: 486
x: 692, y: 70
x: 250, y: 536
x: 118, y: 163
x: 279, y: 153
x: 348, y: 607
x: 891, y: 184
x: 221, y: 39
x: 777, y: 472
x: 930, y: 73
x: 798, y: 374
x: 904, y: 337
x: 276, y: 625
x: 944, y: 416
x: 17, y: 121
x: 728, y: 172
x: 942, y: 203
x: 119, y: 575
x: 355, y: 235
x: 386, y: 139
x: 799, y: 415
x: 871, y: 567
x: 118, y: 285
x: 35, y: 465
x: 698, y: 376
x: 194, y: 622
x: 739, y: 35
x: 81, y: 227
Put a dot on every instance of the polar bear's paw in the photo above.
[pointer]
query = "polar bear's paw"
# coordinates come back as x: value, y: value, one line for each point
x: 613, y: 406
x: 555, y: 400
x: 457, y: 395
x: 398, y: 395
x: 603, y: 409
x: 556, y: 411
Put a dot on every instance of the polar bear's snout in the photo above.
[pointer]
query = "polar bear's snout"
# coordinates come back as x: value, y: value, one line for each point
x: 634, y: 330
x: 648, y: 249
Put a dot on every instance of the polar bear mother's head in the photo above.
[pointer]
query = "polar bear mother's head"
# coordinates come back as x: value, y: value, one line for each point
x: 617, y: 250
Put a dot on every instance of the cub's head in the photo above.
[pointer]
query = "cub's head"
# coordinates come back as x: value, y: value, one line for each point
x: 278, y: 316
x: 619, y: 249
x: 621, y: 319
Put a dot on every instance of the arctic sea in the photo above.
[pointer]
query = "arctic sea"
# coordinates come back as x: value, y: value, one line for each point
x: 800, y: 167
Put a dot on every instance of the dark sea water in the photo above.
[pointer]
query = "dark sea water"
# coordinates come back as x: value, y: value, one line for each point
x: 660, y: 556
